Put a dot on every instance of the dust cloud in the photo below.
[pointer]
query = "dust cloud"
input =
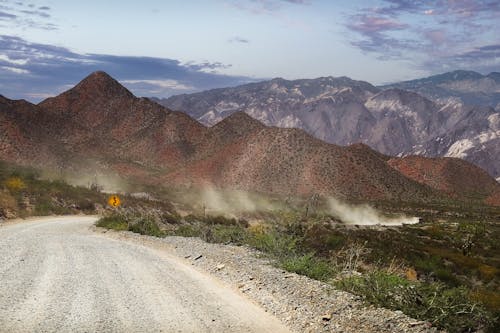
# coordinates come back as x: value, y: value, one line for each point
x: 233, y: 201
x: 107, y: 182
x: 365, y: 215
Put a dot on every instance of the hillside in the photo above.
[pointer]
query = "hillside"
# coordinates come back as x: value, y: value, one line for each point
x: 100, y: 126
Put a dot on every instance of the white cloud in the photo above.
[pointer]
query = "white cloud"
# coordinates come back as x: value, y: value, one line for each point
x: 13, y: 61
x: 165, y: 84
x: 15, y: 70
x: 39, y: 95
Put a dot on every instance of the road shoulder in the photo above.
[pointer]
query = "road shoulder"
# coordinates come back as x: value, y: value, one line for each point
x: 303, y: 304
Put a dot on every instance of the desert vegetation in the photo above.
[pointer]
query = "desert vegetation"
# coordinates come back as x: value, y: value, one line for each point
x: 23, y: 193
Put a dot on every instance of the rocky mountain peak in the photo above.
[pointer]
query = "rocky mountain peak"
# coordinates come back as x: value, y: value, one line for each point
x: 394, y: 99
x: 98, y: 87
x: 103, y: 85
x: 238, y: 123
x: 461, y: 75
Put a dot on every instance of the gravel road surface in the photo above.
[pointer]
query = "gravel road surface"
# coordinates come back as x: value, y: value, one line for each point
x: 56, y: 275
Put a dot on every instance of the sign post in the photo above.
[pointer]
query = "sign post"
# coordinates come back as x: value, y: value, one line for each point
x: 114, y: 201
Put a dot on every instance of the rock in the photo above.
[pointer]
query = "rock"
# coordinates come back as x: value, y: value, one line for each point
x: 326, y: 317
x: 246, y: 288
x: 7, y: 213
x: 416, y: 323
x: 198, y: 257
x: 219, y: 267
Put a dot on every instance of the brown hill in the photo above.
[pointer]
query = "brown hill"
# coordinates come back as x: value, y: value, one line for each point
x: 100, y: 124
x: 22, y: 133
x: 290, y: 161
x: 103, y: 119
x: 450, y: 175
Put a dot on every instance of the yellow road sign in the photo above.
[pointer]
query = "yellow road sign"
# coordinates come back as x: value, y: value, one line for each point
x: 114, y: 201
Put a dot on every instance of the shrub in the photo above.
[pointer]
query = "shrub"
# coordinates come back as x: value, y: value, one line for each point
x: 43, y: 208
x: 258, y: 229
x: 224, y: 234
x: 219, y: 219
x: 449, y: 308
x: 187, y: 230
x: 274, y: 243
x: 15, y: 184
x: 146, y: 226
x: 116, y: 222
x: 309, y: 265
x: 7, y: 201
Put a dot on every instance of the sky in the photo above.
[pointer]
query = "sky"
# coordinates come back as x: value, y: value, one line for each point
x: 162, y: 48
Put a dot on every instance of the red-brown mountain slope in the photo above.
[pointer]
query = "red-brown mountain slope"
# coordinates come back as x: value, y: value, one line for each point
x: 450, y: 175
x: 239, y: 152
x: 112, y: 122
x: 99, y: 123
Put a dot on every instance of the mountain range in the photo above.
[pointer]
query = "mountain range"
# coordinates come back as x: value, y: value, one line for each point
x: 456, y: 114
x: 466, y: 87
x: 100, y: 125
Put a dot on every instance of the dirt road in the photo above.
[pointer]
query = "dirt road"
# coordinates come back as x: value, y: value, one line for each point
x: 58, y: 276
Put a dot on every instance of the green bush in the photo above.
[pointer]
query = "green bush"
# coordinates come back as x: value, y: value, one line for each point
x: 116, y: 222
x: 146, y: 226
x: 309, y: 265
x: 449, y: 308
x: 187, y: 230
x: 44, y: 208
x: 274, y: 243
x: 224, y: 234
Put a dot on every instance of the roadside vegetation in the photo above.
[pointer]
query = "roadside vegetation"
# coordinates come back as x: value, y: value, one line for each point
x: 24, y: 193
x: 444, y: 270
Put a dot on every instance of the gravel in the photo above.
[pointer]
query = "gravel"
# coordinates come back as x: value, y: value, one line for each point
x: 303, y: 304
x: 58, y: 276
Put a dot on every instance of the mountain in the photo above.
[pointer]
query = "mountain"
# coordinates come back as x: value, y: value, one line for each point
x: 450, y: 175
x: 284, y: 161
x: 466, y: 87
x: 342, y: 111
x: 99, y: 125
x: 100, y: 118
x: 22, y: 133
